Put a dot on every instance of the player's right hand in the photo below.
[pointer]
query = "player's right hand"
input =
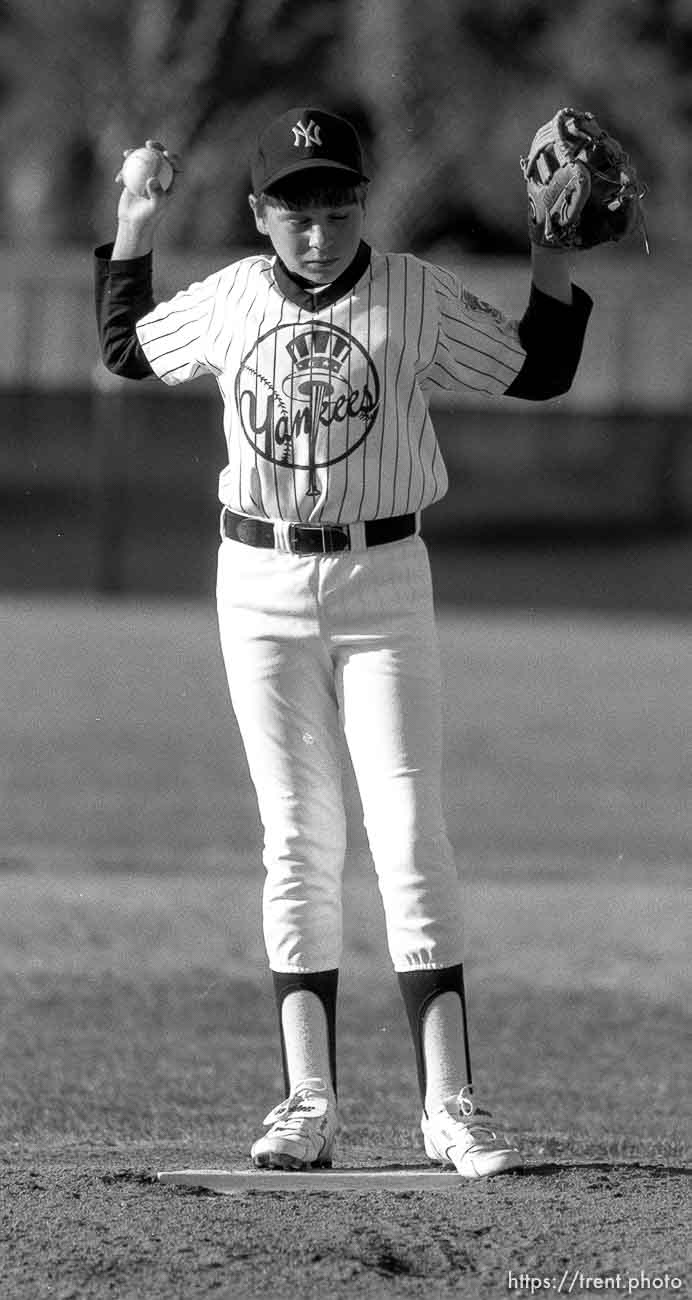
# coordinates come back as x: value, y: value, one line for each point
x: 147, y: 210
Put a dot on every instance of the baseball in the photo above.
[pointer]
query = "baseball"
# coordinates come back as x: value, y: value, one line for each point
x: 144, y: 165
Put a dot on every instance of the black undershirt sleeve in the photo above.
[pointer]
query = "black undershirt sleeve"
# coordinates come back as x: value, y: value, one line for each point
x: 124, y: 294
x: 552, y: 335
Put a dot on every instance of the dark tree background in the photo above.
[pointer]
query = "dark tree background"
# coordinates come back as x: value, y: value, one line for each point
x: 447, y: 94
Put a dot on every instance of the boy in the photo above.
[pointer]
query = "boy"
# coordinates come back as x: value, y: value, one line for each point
x: 326, y: 352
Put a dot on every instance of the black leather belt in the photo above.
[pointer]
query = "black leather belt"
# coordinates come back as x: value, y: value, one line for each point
x: 308, y: 539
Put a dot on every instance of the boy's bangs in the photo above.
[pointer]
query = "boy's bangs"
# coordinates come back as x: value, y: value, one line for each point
x: 310, y: 190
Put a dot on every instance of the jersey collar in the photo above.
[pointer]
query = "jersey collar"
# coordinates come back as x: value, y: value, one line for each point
x: 295, y: 288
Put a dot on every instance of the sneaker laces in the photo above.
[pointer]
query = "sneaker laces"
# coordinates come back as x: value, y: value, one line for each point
x: 302, y: 1104
x: 471, y: 1117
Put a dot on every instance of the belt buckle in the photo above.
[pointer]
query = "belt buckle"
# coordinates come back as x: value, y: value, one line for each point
x: 317, y: 540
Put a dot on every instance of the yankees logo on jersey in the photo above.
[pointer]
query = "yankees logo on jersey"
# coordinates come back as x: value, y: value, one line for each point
x: 307, y: 400
x: 326, y: 395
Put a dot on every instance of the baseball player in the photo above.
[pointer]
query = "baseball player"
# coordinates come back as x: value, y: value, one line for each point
x: 326, y: 353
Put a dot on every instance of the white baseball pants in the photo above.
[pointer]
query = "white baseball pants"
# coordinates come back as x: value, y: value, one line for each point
x: 315, y: 648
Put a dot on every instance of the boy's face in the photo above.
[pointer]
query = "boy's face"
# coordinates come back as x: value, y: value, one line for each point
x: 316, y: 243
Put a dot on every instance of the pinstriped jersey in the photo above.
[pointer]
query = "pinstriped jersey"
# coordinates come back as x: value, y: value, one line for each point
x: 326, y: 408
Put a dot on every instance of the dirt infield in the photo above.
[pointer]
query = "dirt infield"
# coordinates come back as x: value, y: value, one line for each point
x: 138, y: 1030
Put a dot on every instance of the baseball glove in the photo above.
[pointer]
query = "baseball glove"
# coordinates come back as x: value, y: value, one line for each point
x: 582, y: 188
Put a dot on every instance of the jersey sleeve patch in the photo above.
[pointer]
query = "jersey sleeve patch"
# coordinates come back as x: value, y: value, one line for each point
x: 478, y: 348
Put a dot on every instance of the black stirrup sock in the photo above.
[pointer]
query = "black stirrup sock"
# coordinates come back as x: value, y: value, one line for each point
x: 323, y: 983
x: 419, y: 988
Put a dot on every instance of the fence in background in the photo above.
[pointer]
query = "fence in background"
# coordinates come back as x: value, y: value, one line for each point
x: 115, y: 490
x: 637, y: 353
x: 108, y: 485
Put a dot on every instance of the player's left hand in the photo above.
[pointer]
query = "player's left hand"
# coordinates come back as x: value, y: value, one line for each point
x: 582, y: 187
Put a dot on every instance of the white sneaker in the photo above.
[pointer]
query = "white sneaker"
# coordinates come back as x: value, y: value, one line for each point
x: 301, y: 1130
x: 460, y: 1134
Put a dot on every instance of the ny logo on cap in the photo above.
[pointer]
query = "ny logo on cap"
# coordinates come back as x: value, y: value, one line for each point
x: 306, y: 135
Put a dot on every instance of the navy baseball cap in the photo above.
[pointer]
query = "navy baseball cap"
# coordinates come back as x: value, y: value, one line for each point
x: 305, y: 138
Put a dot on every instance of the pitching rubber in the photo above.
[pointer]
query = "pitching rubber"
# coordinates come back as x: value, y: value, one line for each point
x: 228, y: 1182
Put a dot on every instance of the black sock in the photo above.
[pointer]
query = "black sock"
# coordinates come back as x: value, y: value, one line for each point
x: 419, y: 988
x: 323, y: 983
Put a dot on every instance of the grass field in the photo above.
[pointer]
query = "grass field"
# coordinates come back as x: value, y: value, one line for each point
x: 138, y: 1029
